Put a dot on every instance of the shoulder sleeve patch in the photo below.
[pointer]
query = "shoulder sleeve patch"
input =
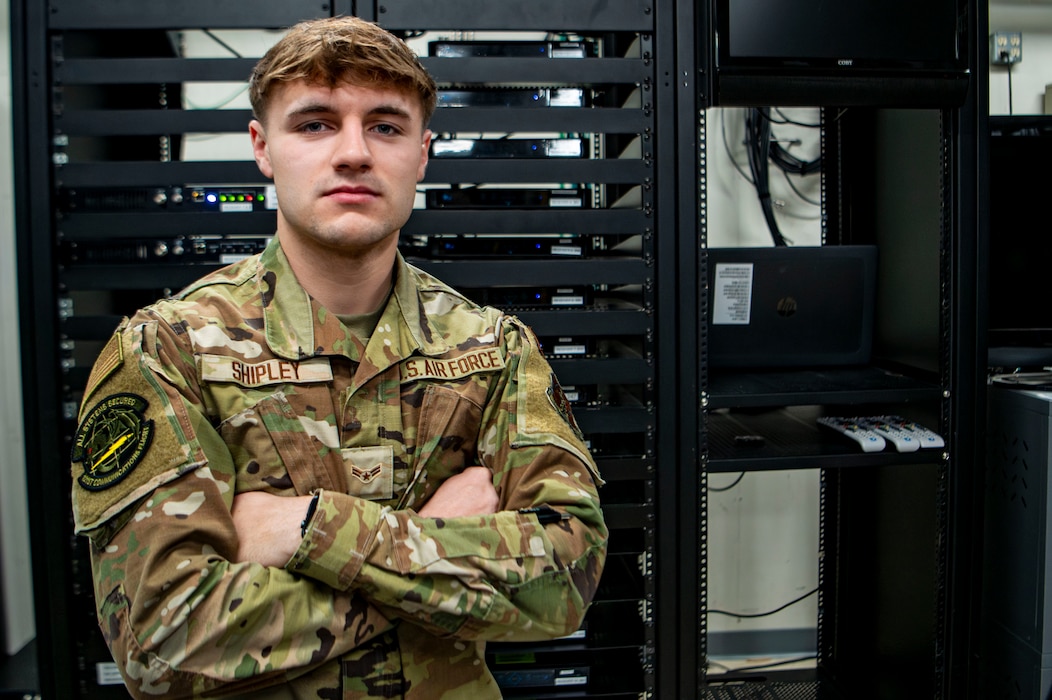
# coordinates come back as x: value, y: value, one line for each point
x: 135, y: 434
x: 111, y: 441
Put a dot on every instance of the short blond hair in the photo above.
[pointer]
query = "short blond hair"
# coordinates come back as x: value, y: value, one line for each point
x: 338, y: 49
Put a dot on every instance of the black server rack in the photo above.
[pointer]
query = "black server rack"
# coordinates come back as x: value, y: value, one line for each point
x: 897, y: 562
x: 543, y: 193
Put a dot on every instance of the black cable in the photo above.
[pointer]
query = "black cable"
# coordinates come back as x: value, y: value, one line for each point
x: 787, y: 120
x: 228, y: 47
x: 764, y: 614
x: 791, y: 164
x: 729, y: 486
x: 757, y: 133
x: 772, y: 664
x: 1010, y: 88
x: 781, y: 156
x: 758, y: 147
x: 797, y: 191
x: 727, y: 147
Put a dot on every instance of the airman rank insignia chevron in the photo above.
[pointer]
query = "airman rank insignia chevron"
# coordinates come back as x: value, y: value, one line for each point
x: 111, y: 440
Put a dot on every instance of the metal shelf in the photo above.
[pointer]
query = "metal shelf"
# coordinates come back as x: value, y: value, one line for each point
x: 131, y: 71
x: 587, y: 221
x: 806, y: 386
x: 792, y: 440
x: 537, y: 71
x: 540, y: 15
x: 204, y: 14
x: 534, y: 273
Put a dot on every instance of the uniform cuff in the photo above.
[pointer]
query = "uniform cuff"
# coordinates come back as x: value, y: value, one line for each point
x: 338, y: 538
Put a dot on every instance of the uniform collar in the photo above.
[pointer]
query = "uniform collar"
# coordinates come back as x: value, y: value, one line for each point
x: 297, y: 327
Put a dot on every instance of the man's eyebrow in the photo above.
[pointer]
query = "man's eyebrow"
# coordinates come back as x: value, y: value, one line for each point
x: 391, y: 110
x: 310, y: 108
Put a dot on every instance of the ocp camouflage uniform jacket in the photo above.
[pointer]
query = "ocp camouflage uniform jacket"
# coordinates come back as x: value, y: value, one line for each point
x: 243, y: 383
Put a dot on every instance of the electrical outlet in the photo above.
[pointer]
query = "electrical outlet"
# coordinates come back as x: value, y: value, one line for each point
x: 1006, y: 48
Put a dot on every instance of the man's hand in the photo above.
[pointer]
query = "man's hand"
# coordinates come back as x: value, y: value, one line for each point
x: 470, y: 492
x: 268, y: 526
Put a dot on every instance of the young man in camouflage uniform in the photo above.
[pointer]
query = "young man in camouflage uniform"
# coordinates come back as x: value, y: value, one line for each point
x: 321, y: 473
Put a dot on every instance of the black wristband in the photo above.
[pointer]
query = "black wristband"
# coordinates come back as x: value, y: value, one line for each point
x: 310, y: 513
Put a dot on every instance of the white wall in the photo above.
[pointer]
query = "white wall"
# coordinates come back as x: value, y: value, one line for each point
x: 15, y: 577
x: 762, y: 532
x: 1029, y: 77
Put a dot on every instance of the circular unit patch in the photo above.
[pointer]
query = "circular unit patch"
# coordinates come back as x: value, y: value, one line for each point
x: 112, y: 440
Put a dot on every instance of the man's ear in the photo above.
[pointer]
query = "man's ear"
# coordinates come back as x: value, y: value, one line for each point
x: 425, y: 147
x: 259, y: 148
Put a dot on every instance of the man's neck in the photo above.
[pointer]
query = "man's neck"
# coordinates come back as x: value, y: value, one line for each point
x: 347, y: 283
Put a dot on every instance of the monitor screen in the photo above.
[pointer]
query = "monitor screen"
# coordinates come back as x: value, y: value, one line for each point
x: 841, y: 34
x: 1020, y: 245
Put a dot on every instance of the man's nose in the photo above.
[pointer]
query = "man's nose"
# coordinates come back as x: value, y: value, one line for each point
x: 351, y: 149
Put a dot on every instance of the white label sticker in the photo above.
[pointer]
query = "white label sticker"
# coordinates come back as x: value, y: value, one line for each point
x: 569, y: 350
x: 271, y: 198
x: 107, y: 674
x: 567, y: 148
x: 574, y: 250
x: 571, y: 680
x: 732, y: 298
x: 567, y: 97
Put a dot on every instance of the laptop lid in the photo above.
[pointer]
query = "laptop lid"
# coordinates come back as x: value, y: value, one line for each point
x: 791, y: 306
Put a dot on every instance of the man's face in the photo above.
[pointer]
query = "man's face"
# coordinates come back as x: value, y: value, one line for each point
x: 345, y: 162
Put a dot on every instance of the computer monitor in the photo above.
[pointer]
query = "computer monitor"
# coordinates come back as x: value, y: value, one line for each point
x: 849, y: 52
x: 1020, y: 243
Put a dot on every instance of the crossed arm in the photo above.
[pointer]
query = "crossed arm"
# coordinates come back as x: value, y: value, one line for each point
x: 268, y: 526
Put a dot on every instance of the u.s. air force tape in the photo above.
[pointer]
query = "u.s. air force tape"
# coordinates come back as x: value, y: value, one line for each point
x: 479, y: 360
x: 111, y: 440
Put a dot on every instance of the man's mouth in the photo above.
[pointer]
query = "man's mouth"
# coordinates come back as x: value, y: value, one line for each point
x: 351, y: 194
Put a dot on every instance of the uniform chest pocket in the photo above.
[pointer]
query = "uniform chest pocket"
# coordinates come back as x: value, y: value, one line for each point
x: 370, y: 471
x: 447, y: 429
x: 278, y: 448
